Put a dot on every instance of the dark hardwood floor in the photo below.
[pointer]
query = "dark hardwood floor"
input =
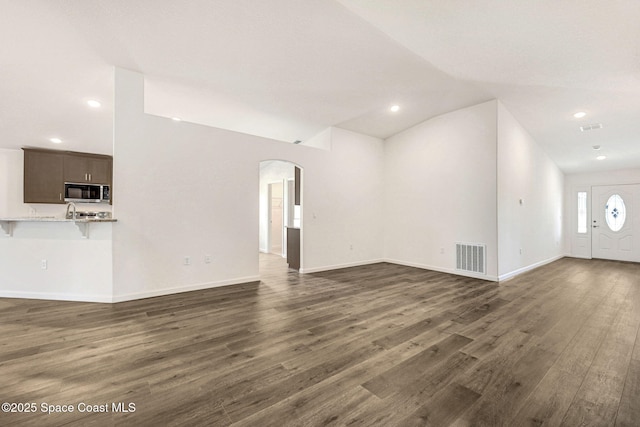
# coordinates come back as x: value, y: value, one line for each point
x: 378, y: 345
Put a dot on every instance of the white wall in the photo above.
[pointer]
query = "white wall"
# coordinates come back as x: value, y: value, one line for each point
x: 204, y: 200
x: 11, y: 184
x: 579, y: 245
x: 529, y: 234
x: 186, y: 190
x: 440, y: 188
x: 77, y: 268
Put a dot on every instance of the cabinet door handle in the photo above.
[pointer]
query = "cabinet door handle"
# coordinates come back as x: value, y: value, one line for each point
x: 85, y: 177
x: 89, y: 177
x: 60, y: 196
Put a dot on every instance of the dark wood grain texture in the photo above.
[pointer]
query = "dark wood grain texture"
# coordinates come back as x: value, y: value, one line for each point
x: 377, y: 345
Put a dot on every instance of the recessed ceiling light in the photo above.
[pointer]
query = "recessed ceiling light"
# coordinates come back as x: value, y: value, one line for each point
x: 395, y: 108
x: 579, y: 114
x: 93, y: 103
x: 55, y: 140
x: 601, y: 157
x: 176, y: 119
x: 596, y: 147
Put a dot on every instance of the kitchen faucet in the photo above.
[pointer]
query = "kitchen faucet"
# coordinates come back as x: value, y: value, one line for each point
x: 74, y: 210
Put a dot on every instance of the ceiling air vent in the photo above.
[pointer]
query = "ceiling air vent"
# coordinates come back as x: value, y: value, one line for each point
x: 297, y: 141
x: 591, y: 127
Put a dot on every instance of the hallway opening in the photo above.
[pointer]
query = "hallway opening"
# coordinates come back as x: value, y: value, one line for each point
x: 281, y: 211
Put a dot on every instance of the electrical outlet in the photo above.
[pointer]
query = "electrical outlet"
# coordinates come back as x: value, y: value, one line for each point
x: 520, y: 251
x: 441, y: 250
x: 43, y: 264
x: 350, y: 247
x: 207, y: 259
x: 187, y: 260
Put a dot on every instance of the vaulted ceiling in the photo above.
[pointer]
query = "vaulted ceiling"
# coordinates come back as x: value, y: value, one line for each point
x: 287, y: 69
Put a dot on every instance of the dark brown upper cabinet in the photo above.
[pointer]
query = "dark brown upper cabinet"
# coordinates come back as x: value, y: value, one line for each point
x: 43, y: 171
x: 46, y: 171
x: 91, y: 168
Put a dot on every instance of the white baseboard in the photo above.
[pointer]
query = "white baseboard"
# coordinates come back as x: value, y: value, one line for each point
x: 338, y: 266
x: 125, y: 297
x: 57, y: 296
x: 188, y: 288
x: 578, y: 256
x: 248, y: 279
x: 443, y: 270
x: 518, y: 271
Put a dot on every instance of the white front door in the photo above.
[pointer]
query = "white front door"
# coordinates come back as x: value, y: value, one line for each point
x: 615, y: 222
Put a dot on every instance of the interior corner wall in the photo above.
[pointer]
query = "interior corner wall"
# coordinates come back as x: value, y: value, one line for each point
x: 321, y: 140
x: 530, y: 200
x: 440, y: 188
x: 186, y: 190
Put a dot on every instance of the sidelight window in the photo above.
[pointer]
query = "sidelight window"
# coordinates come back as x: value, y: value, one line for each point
x: 582, y: 212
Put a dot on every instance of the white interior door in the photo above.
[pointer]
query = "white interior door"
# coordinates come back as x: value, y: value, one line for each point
x: 615, y: 224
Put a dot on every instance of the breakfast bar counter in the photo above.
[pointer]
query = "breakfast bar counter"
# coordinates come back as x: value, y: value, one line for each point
x: 7, y: 224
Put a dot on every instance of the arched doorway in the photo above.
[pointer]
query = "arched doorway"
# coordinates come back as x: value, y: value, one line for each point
x: 281, y: 211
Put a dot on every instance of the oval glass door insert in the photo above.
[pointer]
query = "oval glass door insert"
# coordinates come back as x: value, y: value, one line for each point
x: 615, y: 212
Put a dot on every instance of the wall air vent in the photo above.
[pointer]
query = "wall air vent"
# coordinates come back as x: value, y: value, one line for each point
x: 591, y: 127
x: 471, y: 258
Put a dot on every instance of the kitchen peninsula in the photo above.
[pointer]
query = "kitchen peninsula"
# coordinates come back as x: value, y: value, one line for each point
x: 43, y: 253
x: 53, y: 257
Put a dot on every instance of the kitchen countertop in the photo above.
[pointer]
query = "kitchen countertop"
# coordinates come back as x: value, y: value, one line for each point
x: 56, y: 219
x: 7, y: 224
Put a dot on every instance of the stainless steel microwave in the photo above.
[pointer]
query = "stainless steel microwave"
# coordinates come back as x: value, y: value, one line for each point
x: 86, y: 193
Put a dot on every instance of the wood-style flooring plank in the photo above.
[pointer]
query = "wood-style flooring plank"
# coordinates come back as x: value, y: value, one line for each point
x: 444, y: 408
x: 322, y: 401
x: 629, y: 408
x: 548, y: 403
x: 599, y: 395
x: 380, y: 344
x: 396, y: 378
